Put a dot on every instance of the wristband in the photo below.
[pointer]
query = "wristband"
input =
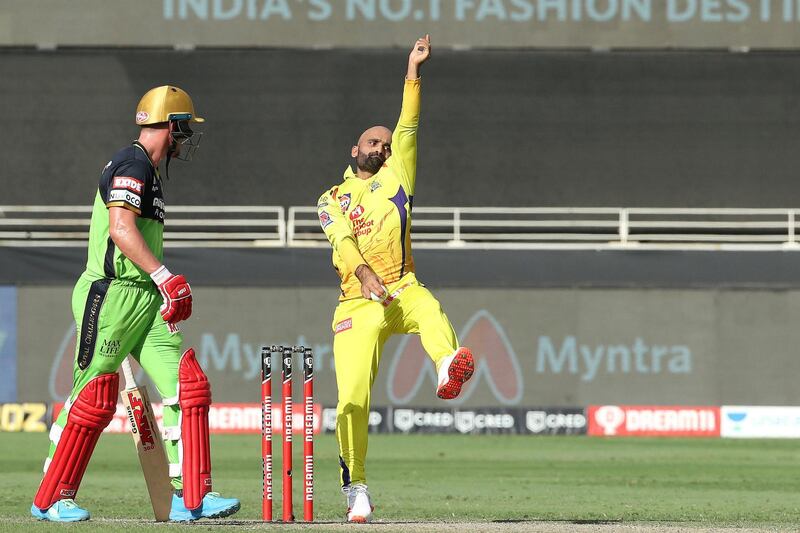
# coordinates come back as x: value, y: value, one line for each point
x: 160, y: 275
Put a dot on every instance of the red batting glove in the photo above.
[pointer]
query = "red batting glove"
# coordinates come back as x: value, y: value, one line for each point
x: 177, y: 295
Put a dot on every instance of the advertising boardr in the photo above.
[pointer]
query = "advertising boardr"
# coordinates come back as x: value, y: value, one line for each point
x: 222, y: 418
x: 654, y: 421
x: 8, y: 344
x: 24, y: 417
x: 556, y: 421
x: 760, y: 422
x: 353, y: 23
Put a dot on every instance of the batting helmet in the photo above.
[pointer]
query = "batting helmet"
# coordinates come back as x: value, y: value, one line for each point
x: 163, y: 104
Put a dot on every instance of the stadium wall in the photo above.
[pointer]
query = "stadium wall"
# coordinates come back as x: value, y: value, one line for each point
x: 500, y: 127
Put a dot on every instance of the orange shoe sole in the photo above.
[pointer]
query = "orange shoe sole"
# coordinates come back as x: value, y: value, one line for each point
x: 460, y: 370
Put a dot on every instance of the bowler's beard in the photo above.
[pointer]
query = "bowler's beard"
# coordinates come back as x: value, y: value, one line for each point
x: 371, y: 163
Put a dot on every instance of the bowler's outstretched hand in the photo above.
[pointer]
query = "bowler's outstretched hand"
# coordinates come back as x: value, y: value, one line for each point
x: 419, y: 54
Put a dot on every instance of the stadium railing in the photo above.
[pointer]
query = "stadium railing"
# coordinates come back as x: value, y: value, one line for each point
x: 189, y: 226
x: 440, y: 227
x: 582, y: 228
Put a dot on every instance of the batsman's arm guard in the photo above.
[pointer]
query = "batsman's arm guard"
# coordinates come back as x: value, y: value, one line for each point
x: 194, y: 396
x: 88, y: 415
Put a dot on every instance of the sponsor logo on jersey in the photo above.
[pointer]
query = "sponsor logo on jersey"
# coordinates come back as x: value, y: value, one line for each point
x: 357, y: 212
x: 125, y: 196
x: 132, y: 184
x: 362, y: 227
x: 142, y: 116
x: 325, y: 219
x: 344, y: 325
x: 110, y: 347
x: 344, y: 201
x: 375, y: 185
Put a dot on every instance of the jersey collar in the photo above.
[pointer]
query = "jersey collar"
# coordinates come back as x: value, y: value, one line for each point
x: 141, y: 147
x: 349, y: 173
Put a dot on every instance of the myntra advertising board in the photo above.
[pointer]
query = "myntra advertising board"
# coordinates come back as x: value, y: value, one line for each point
x: 532, y: 347
x: 375, y: 23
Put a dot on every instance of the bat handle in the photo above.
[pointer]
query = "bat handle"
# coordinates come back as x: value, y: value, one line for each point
x: 130, y: 383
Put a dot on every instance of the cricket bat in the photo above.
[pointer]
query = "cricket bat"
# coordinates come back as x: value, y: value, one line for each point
x: 147, y: 439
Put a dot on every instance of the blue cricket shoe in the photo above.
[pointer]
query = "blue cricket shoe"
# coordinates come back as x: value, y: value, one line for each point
x: 213, y: 506
x: 61, y: 511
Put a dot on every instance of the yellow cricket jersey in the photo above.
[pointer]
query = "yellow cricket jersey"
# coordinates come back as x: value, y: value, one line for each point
x: 369, y: 221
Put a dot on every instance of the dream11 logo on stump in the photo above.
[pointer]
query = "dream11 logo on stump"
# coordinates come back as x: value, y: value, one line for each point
x: 496, y: 364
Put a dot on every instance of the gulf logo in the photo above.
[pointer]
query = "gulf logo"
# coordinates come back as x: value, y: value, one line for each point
x: 356, y: 212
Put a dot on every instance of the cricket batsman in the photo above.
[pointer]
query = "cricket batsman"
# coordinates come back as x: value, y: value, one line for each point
x: 128, y: 302
x: 367, y: 219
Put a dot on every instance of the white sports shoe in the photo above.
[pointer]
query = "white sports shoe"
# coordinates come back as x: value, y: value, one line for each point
x: 359, y: 505
x: 454, y: 371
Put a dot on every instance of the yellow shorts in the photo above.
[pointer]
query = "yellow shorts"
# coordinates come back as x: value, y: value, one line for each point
x: 360, y: 329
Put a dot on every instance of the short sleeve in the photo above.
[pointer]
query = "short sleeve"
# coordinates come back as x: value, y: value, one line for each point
x: 126, y: 186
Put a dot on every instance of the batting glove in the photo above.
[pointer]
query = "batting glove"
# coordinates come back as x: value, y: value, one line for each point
x: 177, y: 295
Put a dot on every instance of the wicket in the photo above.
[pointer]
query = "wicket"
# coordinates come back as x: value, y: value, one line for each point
x: 287, y: 356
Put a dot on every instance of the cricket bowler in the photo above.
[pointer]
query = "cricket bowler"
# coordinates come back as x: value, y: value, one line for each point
x: 367, y: 219
x: 128, y: 302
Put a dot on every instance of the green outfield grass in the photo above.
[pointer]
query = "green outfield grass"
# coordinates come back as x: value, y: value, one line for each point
x: 697, y: 482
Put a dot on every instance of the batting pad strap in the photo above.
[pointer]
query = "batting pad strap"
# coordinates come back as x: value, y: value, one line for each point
x: 172, y: 400
x: 174, y: 470
x: 194, y: 392
x: 91, y: 412
x: 171, y: 433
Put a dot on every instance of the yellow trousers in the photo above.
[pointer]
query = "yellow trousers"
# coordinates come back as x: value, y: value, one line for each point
x: 361, y: 327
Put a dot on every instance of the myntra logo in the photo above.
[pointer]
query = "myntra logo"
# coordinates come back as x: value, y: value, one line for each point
x: 495, y: 363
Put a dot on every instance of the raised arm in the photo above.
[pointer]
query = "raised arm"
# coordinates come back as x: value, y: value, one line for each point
x: 404, y: 137
x: 418, y: 55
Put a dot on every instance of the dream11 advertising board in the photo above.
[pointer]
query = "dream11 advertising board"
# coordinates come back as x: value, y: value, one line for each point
x: 653, y: 421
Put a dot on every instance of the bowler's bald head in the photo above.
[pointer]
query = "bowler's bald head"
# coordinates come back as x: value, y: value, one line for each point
x: 381, y: 133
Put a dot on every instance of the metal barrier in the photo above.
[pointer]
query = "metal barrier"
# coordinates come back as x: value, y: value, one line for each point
x: 581, y: 228
x: 187, y: 226
x: 440, y: 227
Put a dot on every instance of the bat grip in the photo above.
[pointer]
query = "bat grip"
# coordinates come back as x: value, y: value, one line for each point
x: 130, y: 383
